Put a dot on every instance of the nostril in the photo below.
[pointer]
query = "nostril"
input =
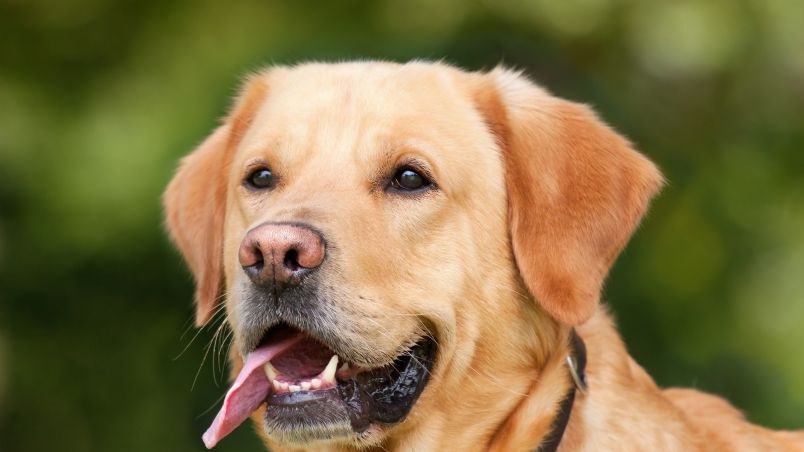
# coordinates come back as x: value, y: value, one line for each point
x: 258, y: 264
x: 251, y: 257
x: 258, y: 259
x: 255, y: 270
x: 291, y: 260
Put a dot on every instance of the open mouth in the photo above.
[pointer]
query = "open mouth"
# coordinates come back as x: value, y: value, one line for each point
x: 312, y: 394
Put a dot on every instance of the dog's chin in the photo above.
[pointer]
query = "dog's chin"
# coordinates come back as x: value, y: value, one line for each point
x: 320, y: 419
x: 356, y: 406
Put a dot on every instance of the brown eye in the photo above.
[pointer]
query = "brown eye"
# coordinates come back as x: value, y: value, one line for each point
x: 407, y: 179
x: 260, y: 179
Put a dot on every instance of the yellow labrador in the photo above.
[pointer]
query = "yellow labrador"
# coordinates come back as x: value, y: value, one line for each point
x: 412, y: 258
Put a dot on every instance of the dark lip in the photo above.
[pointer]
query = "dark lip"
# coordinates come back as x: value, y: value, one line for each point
x: 384, y: 395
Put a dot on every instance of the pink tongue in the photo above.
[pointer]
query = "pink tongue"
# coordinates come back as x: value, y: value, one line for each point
x: 250, y: 389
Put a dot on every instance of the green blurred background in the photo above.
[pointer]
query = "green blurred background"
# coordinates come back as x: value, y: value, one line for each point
x: 99, y: 99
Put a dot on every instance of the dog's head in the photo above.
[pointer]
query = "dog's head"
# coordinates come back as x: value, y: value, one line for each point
x: 416, y: 221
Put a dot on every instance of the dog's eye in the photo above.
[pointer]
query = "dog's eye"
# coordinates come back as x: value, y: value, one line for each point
x: 260, y: 179
x: 407, y: 179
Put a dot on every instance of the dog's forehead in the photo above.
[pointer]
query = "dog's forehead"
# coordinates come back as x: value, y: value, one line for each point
x: 361, y: 110
x: 324, y: 86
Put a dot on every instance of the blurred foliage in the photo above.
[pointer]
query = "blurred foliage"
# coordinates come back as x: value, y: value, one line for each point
x: 98, y: 99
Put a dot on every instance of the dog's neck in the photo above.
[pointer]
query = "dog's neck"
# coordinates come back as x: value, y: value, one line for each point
x: 539, y: 419
x: 576, y: 366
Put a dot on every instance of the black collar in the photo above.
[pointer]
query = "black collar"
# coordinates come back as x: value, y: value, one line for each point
x: 576, y: 363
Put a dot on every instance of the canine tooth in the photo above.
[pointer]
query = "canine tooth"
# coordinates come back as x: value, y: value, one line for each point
x: 315, y: 383
x: 294, y: 388
x: 328, y: 374
x: 270, y: 371
x: 305, y: 385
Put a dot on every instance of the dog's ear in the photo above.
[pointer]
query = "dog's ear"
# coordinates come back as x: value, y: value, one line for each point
x: 576, y: 191
x: 195, y: 200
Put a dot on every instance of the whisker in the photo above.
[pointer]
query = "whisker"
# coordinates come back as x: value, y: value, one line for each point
x: 214, y: 343
x: 224, y: 347
x: 221, y: 320
x: 200, y: 366
x: 218, y: 309
x: 213, y: 405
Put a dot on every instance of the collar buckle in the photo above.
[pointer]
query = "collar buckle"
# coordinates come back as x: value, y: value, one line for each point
x: 576, y: 363
x: 577, y: 376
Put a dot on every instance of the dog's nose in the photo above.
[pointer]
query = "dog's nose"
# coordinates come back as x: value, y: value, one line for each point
x: 278, y: 256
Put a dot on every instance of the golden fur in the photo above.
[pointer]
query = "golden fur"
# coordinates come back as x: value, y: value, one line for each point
x: 536, y: 198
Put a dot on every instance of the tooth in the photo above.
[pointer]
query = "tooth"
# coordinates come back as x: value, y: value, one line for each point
x: 277, y: 385
x: 270, y: 371
x: 344, y: 367
x: 285, y: 386
x: 328, y: 375
x: 294, y: 388
x: 315, y: 383
x: 305, y: 385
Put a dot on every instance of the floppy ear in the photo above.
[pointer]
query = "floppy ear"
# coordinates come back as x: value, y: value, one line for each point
x: 576, y: 191
x: 195, y: 201
x: 195, y: 204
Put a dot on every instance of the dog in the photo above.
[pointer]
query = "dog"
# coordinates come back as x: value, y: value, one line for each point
x: 411, y: 257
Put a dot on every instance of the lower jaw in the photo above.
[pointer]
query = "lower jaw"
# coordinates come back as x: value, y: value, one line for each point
x: 354, y: 410
x: 307, y: 417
